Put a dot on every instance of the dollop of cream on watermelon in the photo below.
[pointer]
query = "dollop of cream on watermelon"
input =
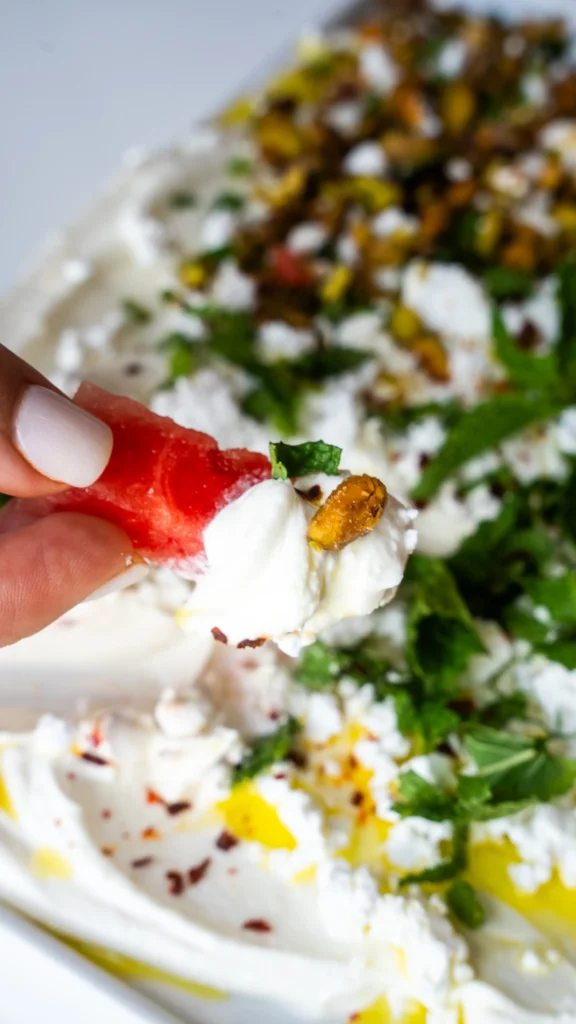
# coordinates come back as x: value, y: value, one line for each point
x: 163, y: 484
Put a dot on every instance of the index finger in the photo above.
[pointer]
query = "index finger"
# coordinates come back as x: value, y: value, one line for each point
x: 47, y: 442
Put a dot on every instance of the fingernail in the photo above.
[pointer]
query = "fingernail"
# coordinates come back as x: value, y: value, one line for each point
x: 60, y: 440
x: 128, y: 578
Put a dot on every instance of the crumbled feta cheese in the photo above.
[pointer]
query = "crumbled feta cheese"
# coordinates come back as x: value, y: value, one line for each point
x: 322, y: 717
x: 394, y: 221
x: 535, y: 454
x: 566, y: 431
x: 307, y: 238
x: 377, y: 68
x: 68, y: 356
x: 362, y: 331
x: 415, y: 843
x: 278, y: 340
x: 367, y: 159
x: 231, y: 288
x: 77, y: 271
x: 452, y: 58
x: 510, y: 181
x: 458, y: 169
x: 560, y: 137
x: 347, y: 250
x: 217, y: 229
x: 447, y: 299
x: 535, y: 89
x: 344, y: 117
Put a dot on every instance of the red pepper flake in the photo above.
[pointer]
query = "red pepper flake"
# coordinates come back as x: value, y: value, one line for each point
x: 176, y: 884
x: 93, y: 758
x: 219, y: 635
x: 257, y: 924
x: 251, y: 643
x: 196, y: 874
x: 96, y: 735
x: 58, y: 822
x: 107, y: 851
x: 152, y: 797
x: 357, y: 798
x: 151, y: 833
x: 354, y: 1016
x: 232, y: 871
x: 71, y: 776
x: 178, y: 807
x: 142, y: 862
x: 226, y: 841
x: 106, y: 814
x: 274, y: 715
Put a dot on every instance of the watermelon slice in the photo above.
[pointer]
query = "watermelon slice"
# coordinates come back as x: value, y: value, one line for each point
x: 163, y: 484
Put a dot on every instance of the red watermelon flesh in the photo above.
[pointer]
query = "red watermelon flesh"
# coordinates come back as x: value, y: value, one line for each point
x: 163, y: 484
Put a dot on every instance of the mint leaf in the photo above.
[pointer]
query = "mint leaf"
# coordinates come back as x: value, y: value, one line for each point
x: 229, y: 201
x: 536, y: 373
x: 566, y: 346
x: 293, y: 460
x: 507, y: 283
x: 328, y: 362
x: 446, y: 869
x: 182, y: 355
x: 464, y: 904
x: 517, y: 768
x: 266, y: 751
x: 419, y: 798
x: 441, y: 634
x: 4, y: 499
x: 320, y: 667
x: 183, y: 200
x: 135, y: 313
x: 562, y: 651
x: 472, y: 791
x: 558, y: 595
x: 479, y: 430
x: 239, y: 166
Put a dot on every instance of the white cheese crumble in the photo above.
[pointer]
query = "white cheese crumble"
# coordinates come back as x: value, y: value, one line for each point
x: 378, y: 68
x: 264, y: 579
x: 447, y: 299
x: 367, y: 159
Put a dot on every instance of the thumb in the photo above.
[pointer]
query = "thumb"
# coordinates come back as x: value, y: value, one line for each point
x: 46, y: 441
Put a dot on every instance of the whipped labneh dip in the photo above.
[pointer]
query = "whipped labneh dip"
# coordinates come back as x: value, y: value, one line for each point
x: 344, y: 816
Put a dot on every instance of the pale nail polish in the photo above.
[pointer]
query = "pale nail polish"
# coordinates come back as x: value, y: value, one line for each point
x: 134, y: 574
x: 60, y: 440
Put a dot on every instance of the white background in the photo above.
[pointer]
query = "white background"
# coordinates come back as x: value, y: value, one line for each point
x: 83, y: 80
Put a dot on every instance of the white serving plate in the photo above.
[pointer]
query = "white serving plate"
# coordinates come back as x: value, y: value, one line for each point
x: 28, y: 687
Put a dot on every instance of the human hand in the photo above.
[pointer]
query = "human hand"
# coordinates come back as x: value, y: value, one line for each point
x: 47, y: 444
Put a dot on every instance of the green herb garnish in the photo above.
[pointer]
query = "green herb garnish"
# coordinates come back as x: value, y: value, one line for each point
x: 183, y: 200
x: 266, y: 751
x: 4, y: 499
x: 464, y: 904
x: 525, y: 370
x: 293, y: 460
x: 480, y: 430
x: 505, y: 283
x: 135, y: 313
x: 229, y: 201
x: 239, y: 166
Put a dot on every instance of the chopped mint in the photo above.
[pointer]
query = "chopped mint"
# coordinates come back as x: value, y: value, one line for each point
x: 421, y: 799
x: 294, y: 460
x: 239, y: 166
x: 229, y: 201
x: 517, y: 768
x: 506, y: 283
x: 566, y: 346
x: 525, y: 370
x: 183, y: 200
x: 557, y: 594
x: 135, y: 313
x: 182, y: 355
x: 266, y: 751
x: 4, y: 499
x: 480, y: 430
x: 464, y: 904
x: 441, y: 634
x: 320, y: 666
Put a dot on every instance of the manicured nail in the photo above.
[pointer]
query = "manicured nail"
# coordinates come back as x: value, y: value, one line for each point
x: 60, y: 440
x: 134, y: 574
